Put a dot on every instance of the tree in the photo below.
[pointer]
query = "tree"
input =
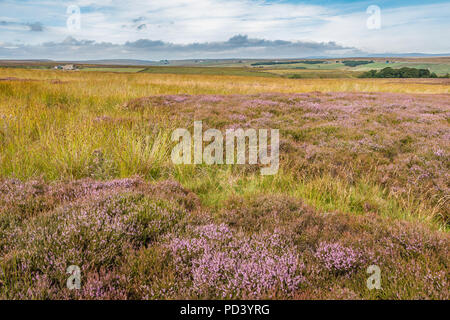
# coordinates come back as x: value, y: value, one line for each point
x: 404, y: 72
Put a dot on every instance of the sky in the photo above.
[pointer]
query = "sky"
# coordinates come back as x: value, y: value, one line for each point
x: 192, y: 29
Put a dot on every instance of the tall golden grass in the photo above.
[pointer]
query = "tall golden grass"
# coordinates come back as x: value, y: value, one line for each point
x: 69, y: 125
x: 141, y: 84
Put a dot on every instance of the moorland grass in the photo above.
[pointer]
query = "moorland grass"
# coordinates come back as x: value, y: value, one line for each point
x: 354, y: 167
x: 71, y: 125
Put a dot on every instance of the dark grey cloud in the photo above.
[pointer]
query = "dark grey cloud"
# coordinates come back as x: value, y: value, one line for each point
x: 36, y: 26
x: 239, y: 46
x: 139, y: 19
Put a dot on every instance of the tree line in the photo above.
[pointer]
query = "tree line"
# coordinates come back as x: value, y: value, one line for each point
x: 404, y: 72
x: 355, y: 63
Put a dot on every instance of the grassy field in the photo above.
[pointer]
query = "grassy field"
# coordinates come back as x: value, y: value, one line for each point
x: 307, y: 71
x: 316, y: 74
x: 330, y: 68
x: 228, y: 71
x: 108, y: 69
x: 86, y: 179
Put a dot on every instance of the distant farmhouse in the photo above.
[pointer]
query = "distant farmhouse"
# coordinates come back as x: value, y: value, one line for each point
x: 67, y: 67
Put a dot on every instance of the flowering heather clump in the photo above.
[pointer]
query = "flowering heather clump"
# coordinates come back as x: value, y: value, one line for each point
x: 211, y: 99
x: 237, y: 117
x: 261, y: 102
x: 176, y: 98
x: 223, y: 264
x: 103, y: 285
x: 336, y: 257
x: 20, y: 195
x: 13, y: 191
x: 336, y: 249
x: 93, y: 233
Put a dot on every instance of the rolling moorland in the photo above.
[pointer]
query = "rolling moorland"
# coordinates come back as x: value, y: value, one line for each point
x: 86, y: 179
x: 305, y: 69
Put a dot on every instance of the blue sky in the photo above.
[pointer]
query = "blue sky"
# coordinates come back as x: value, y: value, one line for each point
x: 157, y: 29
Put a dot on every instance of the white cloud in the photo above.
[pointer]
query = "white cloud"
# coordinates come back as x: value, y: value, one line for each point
x: 407, y: 29
x: 181, y: 21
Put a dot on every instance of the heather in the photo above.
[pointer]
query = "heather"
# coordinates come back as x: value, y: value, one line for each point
x: 139, y: 240
x: 218, y: 263
x: 92, y: 225
x: 86, y: 179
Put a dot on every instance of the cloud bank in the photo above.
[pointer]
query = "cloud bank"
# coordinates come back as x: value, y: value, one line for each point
x: 239, y: 46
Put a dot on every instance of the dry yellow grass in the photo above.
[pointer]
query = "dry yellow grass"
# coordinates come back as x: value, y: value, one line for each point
x: 137, y: 85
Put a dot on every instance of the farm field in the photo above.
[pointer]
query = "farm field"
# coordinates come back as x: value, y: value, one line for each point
x: 86, y: 179
x: 227, y: 71
x: 315, y: 73
x: 326, y: 69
